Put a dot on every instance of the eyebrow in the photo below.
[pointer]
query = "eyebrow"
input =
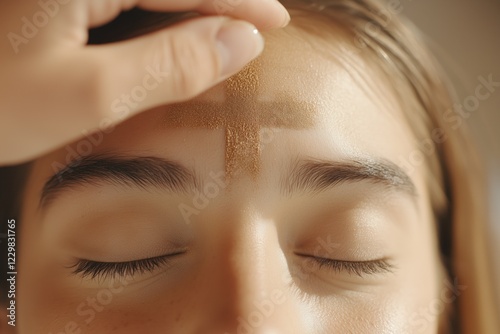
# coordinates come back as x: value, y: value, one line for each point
x: 142, y: 172
x: 319, y: 175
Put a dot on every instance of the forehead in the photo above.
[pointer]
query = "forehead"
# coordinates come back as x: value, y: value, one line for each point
x: 240, y: 108
x: 287, y: 87
x: 297, y: 88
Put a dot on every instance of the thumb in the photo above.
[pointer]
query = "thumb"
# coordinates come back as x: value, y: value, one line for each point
x: 174, y: 64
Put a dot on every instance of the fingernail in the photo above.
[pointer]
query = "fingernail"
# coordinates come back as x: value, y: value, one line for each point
x: 287, y: 17
x: 238, y: 43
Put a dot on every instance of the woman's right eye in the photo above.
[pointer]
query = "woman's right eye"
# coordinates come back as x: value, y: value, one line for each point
x: 110, y: 270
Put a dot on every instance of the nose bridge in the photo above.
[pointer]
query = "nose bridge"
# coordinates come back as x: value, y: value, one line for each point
x: 251, y: 292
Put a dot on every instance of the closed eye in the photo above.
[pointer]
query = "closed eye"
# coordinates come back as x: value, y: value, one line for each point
x: 109, y: 270
x: 357, y: 268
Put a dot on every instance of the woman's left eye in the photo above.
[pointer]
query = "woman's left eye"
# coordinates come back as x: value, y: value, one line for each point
x: 110, y: 270
x: 356, y: 268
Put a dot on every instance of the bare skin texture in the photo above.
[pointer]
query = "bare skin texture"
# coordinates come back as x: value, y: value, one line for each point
x: 253, y: 254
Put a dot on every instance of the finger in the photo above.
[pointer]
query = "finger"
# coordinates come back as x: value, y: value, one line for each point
x: 264, y: 14
x: 174, y: 64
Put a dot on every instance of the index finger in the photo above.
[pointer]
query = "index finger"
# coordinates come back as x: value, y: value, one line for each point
x: 264, y: 14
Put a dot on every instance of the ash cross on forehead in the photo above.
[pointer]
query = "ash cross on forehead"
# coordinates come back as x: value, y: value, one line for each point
x: 243, y: 115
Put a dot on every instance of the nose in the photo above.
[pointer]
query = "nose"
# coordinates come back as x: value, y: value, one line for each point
x: 247, y: 288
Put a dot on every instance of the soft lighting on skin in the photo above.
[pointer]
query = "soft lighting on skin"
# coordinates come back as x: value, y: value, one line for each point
x: 324, y: 182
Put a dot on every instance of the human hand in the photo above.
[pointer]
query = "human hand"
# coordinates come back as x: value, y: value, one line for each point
x: 54, y: 87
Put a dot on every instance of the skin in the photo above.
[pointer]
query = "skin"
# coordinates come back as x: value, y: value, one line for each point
x: 243, y: 259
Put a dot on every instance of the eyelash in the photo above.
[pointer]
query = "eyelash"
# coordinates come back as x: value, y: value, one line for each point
x: 357, y: 268
x: 104, y: 270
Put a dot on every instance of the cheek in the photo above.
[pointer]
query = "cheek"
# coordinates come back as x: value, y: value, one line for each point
x: 54, y: 308
x: 40, y: 285
x: 394, y: 311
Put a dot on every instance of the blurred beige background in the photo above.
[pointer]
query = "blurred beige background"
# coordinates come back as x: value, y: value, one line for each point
x: 465, y: 35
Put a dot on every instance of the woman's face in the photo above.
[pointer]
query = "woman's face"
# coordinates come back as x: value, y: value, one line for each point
x: 272, y: 204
